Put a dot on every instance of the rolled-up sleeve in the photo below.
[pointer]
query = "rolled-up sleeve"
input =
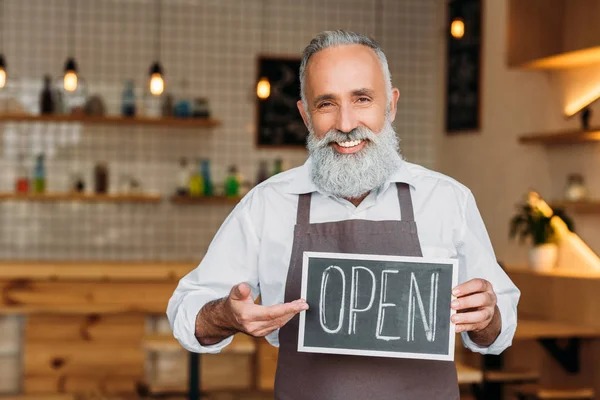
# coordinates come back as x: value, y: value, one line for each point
x: 477, y: 260
x: 231, y: 259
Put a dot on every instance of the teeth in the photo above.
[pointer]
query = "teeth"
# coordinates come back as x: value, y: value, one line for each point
x: 350, y: 143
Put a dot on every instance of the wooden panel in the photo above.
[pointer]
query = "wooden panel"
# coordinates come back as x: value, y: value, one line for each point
x: 127, y: 329
x: 563, y: 137
x: 78, y: 383
x: 113, y: 297
x: 535, y: 30
x: 581, y: 28
x: 114, y: 120
x: 95, y: 271
x: 241, y: 344
x: 266, y: 365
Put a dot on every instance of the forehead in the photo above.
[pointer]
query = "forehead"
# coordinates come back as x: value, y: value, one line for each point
x: 344, y: 68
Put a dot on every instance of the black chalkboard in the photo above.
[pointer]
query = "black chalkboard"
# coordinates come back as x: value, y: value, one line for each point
x: 378, y: 305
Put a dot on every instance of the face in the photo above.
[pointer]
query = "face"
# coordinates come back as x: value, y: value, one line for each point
x: 345, y: 89
x: 351, y: 139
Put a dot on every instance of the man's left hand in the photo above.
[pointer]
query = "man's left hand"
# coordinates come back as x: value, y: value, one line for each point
x: 476, y: 309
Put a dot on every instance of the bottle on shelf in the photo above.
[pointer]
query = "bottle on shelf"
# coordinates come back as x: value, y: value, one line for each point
x: 47, y: 97
x: 208, y: 184
x: 196, y: 181
x: 183, y: 178
x: 232, y: 183
x: 128, y: 99
x: 39, y: 175
x: 183, y: 106
x: 278, y: 167
x: 263, y: 173
x: 101, y: 178
x: 22, y: 181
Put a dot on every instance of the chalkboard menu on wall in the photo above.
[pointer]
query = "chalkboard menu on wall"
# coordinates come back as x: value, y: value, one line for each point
x: 279, y: 121
x: 463, y: 69
x: 382, y: 306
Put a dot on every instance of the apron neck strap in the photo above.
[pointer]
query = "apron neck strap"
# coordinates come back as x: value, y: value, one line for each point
x: 404, y: 200
x: 303, y: 216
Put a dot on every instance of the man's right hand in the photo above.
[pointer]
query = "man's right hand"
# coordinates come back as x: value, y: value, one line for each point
x: 237, y: 312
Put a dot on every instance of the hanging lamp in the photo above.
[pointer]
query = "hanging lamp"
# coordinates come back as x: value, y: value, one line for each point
x: 157, y: 83
x: 263, y: 87
x: 70, y: 78
x: 2, y: 61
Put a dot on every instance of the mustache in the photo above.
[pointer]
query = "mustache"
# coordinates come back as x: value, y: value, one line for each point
x: 358, y: 133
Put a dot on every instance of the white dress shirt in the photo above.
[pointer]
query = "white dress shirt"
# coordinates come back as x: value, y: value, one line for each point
x: 254, y: 244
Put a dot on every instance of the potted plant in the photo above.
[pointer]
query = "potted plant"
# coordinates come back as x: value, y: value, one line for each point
x: 531, y: 223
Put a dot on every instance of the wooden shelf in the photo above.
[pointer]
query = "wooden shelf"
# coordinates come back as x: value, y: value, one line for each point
x: 90, y: 198
x: 583, y: 207
x: 562, y: 137
x: 114, y: 120
x: 189, y: 200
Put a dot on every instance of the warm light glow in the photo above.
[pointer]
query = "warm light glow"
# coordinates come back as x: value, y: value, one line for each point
x: 457, y: 28
x: 2, y: 77
x: 571, y: 59
x: 157, y: 84
x: 582, y: 102
x: 263, y: 89
x: 70, y: 81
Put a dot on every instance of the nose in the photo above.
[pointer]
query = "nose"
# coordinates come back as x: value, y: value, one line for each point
x: 346, y: 119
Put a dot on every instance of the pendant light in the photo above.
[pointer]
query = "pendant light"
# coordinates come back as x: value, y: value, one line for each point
x: 263, y: 87
x: 2, y: 62
x: 70, y: 78
x: 157, y: 83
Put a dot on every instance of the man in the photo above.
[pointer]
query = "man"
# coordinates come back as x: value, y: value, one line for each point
x: 355, y: 194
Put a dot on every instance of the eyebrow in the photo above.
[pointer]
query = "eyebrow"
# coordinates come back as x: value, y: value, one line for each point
x: 356, y: 92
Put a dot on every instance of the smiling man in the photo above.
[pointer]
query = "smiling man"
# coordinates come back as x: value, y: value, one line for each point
x: 355, y: 194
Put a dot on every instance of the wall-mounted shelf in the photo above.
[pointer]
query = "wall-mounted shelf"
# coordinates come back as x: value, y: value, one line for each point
x: 190, y: 200
x: 89, y: 198
x: 583, y: 207
x: 562, y: 137
x: 113, y: 120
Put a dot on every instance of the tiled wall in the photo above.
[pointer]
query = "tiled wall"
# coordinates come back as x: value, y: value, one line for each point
x: 208, y: 46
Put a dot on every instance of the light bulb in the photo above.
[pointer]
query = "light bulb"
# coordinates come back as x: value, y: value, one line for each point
x: 157, y: 84
x: 457, y: 28
x: 263, y: 88
x: 70, y: 81
x: 2, y: 77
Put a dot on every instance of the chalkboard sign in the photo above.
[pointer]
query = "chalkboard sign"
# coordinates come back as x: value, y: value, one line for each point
x: 279, y: 121
x: 373, y: 305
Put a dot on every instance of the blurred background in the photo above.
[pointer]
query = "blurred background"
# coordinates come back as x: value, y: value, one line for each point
x: 129, y: 130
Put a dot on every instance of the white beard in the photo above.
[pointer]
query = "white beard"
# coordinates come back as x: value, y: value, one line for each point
x: 352, y: 175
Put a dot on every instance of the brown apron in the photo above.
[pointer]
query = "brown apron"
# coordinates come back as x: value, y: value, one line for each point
x: 311, y: 376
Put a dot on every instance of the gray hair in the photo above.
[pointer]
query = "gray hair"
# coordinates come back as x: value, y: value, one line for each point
x: 328, y: 39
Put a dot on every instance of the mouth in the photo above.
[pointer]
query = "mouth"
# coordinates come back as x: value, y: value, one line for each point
x: 349, y: 146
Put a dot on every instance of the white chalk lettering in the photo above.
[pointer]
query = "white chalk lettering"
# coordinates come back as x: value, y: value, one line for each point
x: 354, y: 297
x: 415, y: 294
x: 383, y: 305
x: 322, y: 317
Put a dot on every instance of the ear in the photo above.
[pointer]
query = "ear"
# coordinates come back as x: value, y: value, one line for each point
x: 303, y: 113
x: 393, y: 103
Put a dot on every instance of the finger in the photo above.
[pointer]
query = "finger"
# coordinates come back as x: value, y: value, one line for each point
x: 467, y: 328
x: 473, y: 317
x: 476, y: 300
x: 269, y: 313
x: 263, y: 328
x: 241, y: 292
x: 472, y: 286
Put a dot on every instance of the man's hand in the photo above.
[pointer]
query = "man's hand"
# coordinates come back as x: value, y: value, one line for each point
x: 237, y: 312
x: 477, y: 312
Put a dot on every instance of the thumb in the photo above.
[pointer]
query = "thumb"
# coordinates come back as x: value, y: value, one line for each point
x: 241, y: 292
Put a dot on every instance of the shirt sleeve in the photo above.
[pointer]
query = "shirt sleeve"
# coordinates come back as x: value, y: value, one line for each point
x: 232, y: 258
x: 477, y: 260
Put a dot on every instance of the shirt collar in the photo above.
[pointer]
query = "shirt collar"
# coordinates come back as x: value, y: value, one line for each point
x: 302, y: 183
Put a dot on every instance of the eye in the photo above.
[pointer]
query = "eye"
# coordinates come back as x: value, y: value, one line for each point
x: 363, y: 100
x: 324, y: 104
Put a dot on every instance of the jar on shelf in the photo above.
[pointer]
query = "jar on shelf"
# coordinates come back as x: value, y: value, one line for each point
x: 575, y: 189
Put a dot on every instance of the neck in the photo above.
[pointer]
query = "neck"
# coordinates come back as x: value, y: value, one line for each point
x: 356, y: 201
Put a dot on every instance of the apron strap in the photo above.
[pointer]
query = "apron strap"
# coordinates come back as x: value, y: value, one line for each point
x: 405, y: 201
x: 303, y: 216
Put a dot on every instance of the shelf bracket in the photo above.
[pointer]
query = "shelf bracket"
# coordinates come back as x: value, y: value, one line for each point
x: 566, y: 355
